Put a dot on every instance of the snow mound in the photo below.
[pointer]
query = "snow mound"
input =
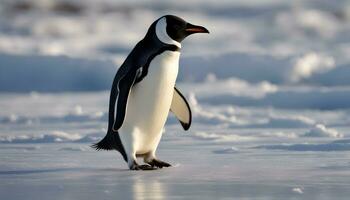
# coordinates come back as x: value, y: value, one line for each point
x: 285, y: 122
x: 343, y: 141
x: 75, y: 116
x: 298, y: 190
x: 332, y: 146
x: 231, y: 150
x: 24, y: 148
x: 214, y: 117
x: 320, y: 130
x: 78, y: 115
x: 91, y: 138
x: 52, y: 137
x: 231, y: 116
x: 15, y: 119
x: 53, y: 74
x: 215, y: 137
x: 73, y: 149
x: 279, y: 134
x: 234, y: 86
x: 321, y: 98
x: 310, y: 64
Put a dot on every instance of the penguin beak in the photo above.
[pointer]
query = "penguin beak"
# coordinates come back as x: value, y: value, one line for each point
x: 190, y: 29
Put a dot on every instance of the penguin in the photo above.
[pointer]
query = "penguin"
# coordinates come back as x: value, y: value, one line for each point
x: 143, y: 92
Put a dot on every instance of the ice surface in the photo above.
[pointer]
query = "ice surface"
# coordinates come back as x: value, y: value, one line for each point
x: 53, y: 159
x: 269, y: 90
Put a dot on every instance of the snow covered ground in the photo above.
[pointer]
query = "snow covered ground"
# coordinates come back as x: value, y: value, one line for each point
x: 230, y: 152
x: 269, y: 90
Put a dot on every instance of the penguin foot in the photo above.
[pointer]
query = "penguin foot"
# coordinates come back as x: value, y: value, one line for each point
x: 136, y: 166
x: 158, y: 163
x: 145, y: 167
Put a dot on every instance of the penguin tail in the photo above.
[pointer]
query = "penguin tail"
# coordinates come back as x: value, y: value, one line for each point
x: 111, y: 142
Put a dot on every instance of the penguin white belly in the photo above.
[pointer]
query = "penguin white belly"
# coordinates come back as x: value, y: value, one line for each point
x: 149, y: 104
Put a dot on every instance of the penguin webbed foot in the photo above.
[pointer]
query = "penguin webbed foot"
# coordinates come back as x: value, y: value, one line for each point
x: 144, y: 167
x: 136, y: 166
x: 159, y: 163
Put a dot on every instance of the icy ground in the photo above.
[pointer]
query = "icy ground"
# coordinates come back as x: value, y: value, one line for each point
x: 230, y: 152
x: 269, y: 90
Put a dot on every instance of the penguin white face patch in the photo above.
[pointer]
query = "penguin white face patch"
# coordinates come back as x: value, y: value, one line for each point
x: 162, y: 33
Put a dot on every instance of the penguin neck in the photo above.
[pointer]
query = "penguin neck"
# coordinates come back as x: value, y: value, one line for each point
x: 162, y: 34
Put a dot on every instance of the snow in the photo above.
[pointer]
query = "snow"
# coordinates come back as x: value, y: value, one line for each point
x: 309, y: 147
x: 25, y: 74
x: 227, y: 151
x: 55, y: 136
x: 310, y: 64
x: 54, y: 158
x: 321, y: 131
x: 298, y: 190
x: 269, y: 90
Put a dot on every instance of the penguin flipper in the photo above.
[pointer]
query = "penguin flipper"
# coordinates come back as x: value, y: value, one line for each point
x: 181, y: 109
x: 123, y: 86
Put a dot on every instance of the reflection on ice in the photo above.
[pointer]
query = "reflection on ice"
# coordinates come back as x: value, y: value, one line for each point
x: 148, y: 189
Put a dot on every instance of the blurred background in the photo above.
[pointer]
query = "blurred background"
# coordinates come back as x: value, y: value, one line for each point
x: 77, y: 45
x: 269, y: 90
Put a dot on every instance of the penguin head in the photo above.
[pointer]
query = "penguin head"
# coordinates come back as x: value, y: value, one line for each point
x: 171, y: 29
